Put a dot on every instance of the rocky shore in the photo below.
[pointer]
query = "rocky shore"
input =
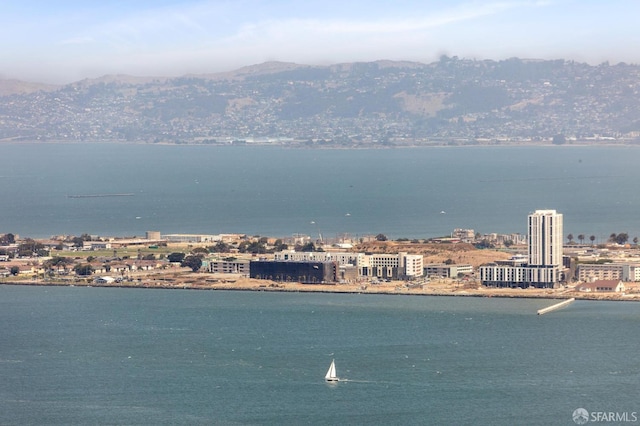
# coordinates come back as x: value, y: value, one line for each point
x: 441, y: 288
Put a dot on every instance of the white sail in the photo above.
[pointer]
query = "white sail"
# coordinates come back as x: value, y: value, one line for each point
x: 331, y: 375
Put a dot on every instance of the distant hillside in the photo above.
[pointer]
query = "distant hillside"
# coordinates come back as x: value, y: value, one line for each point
x: 383, y: 103
x: 17, y: 87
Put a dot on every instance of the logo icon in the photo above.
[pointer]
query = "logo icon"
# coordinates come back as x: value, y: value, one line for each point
x: 580, y: 416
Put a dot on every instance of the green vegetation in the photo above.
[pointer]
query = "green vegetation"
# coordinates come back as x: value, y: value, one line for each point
x: 7, y: 239
x: 193, y: 262
x: 220, y: 247
x: 621, y: 238
x: 176, y: 257
x: 30, y: 248
x: 83, y: 269
x: 255, y: 247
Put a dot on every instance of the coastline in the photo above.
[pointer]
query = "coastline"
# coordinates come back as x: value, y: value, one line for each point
x: 438, y: 290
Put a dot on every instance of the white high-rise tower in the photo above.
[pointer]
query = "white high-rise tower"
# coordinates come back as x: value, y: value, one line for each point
x: 544, y: 268
x: 545, y: 238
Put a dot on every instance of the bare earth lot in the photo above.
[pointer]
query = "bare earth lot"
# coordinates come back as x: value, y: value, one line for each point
x: 183, y: 278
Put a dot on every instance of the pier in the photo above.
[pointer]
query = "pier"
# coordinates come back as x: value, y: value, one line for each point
x: 556, y: 306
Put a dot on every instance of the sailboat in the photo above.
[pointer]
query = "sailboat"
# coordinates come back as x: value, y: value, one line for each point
x: 331, y: 375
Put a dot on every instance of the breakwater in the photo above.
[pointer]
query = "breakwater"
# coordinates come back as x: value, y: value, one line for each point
x: 556, y: 306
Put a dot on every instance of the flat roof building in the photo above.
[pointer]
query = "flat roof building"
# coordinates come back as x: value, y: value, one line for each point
x: 544, y: 264
x: 302, y: 272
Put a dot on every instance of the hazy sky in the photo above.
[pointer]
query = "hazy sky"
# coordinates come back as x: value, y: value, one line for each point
x: 66, y: 40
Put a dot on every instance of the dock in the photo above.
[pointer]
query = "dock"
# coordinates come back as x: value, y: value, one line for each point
x: 556, y: 306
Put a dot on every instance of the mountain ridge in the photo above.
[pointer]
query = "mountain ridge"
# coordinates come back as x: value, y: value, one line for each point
x: 380, y: 103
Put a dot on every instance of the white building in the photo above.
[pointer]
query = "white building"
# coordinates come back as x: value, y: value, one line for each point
x: 341, y: 258
x: 631, y: 272
x: 96, y: 245
x: 447, y: 271
x: 464, y: 235
x: 229, y: 266
x: 379, y: 265
x: 191, y: 238
x: 588, y: 272
x: 391, y: 266
x: 543, y: 267
x: 609, y: 286
x: 545, y: 238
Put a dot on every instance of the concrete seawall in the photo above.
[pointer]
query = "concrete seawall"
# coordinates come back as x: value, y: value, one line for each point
x: 556, y: 306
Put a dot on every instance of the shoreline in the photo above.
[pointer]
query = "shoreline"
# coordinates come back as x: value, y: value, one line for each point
x: 428, y: 144
x: 447, y: 291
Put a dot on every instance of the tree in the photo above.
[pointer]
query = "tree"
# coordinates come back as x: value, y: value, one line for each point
x: 193, y: 262
x: 622, y: 238
x: 592, y: 239
x: 306, y: 248
x: 14, y: 270
x: 570, y: 238
x: 7, y: 239
x: 279, y: 245
x: 30, y: 248
x: 176, y: 257
x: 200, y: 250
x: 381, y: 237
x: 57, y: 262
x: 635, y: 240
x: 220, y: 247
x: 581, y: 238
x: 559, y: 140
x: 83, y: 269
x: 255, y: 247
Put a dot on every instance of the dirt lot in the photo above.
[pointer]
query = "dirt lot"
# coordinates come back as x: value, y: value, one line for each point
x: 459, y: 253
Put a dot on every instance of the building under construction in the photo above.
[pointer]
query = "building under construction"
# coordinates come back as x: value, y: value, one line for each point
x: 302, y: 272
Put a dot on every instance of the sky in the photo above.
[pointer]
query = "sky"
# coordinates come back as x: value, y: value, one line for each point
x: 63, y: 41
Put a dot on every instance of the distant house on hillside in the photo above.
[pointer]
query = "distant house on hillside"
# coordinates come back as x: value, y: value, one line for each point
x: 609, y: 286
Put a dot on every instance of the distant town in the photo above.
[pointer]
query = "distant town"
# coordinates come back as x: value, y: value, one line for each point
x: 540, y: 264
x: 452, y: 101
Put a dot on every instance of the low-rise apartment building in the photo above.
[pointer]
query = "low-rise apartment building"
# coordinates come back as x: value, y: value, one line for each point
x: 376, y: 265
x: 392, y: 266
x: 628, y: 272
x: 341, y: 258
x: 228, y: 266
x: 599, y: 271
x: 446, y: 271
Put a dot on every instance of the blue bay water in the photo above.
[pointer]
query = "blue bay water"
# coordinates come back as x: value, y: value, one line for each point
x: 278, y: 192
x: 81, y: 356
